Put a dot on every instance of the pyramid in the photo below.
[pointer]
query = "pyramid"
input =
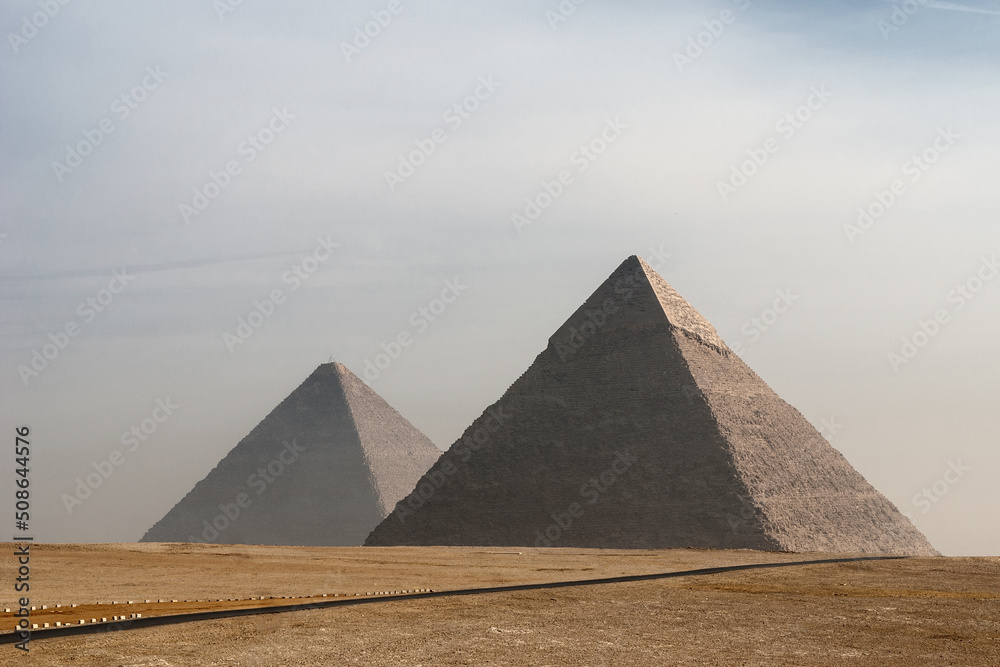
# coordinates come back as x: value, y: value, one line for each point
x: 322, y: 469
x: 637, y: 427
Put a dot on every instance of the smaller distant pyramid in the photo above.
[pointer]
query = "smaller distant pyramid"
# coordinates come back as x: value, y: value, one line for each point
x: 322, y: 469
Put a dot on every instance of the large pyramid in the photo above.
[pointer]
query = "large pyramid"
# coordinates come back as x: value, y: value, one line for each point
x: 322, y: 469
x: 638, y: 427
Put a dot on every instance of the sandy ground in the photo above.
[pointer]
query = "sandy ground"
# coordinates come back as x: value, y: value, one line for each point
x: 937, y: 611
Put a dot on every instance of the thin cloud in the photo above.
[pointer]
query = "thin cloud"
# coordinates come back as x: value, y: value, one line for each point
x: 148, y: 268
x: 952, y: 6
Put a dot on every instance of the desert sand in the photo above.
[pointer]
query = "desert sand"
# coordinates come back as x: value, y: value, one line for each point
x: 888, y: 612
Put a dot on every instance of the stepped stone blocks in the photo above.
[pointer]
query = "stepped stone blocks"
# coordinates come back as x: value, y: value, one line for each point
x: 637, y: 427
x: 322, y: 469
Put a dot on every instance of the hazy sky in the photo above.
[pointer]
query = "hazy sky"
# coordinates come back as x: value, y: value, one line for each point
x: 217, y: 152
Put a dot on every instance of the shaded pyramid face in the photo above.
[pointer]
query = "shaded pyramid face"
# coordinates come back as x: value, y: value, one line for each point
x: 322, y: 469
x: 638, y: 427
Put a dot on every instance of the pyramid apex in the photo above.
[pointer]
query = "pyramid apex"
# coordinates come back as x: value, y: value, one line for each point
x: 680, y: 313
x: 333, y: 367
x: 635, y: 290
x: 352, y: 458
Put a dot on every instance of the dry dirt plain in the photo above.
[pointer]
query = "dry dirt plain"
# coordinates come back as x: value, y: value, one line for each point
x: 920, y: 611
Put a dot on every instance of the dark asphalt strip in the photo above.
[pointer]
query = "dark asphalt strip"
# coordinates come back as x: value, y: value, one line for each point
x: 153, y: 621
